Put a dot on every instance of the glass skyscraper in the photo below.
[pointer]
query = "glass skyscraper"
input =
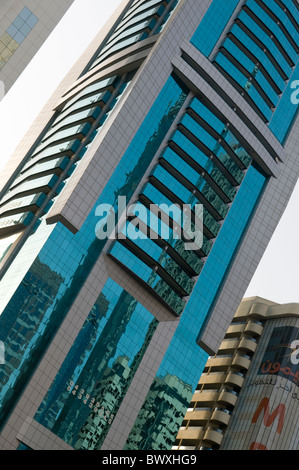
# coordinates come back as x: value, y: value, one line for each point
x: 109, y: 307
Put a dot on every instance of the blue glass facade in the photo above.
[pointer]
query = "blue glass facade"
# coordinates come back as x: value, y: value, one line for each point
x: 212, y: 25
x: 183, y: 349
x: 88, y: 390
x: 259, y: 52
x: 65, y: 260
x: 171, y: 183
x: 74, y: 127
x: 262, y: 33
x: 196, y: 158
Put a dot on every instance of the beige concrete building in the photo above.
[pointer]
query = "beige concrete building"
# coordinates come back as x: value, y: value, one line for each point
x: 24, y: 27
x: 247, y: 397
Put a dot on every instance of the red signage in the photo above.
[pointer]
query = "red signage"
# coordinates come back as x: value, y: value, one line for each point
x: 269, y: 419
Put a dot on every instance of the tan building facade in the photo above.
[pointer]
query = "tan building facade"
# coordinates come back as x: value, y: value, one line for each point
x: 24, y: 27
x: 248, y: 395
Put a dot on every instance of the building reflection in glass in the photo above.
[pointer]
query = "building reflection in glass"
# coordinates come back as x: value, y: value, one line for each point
x: 89, y: 388
x: 164, y: 410
x: 184, y: 360
x: 24, y: 329
x: 72, y: 256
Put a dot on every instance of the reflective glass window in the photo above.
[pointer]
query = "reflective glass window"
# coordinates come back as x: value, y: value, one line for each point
x: 87, y: 115
x: 46, y: 167
x: 283, y: 17
x: 91, y: 89
x: 149, y: 276
x: 97, y: 99
x: 185, y: 196
x: 32, y: 186
x: 267, y: 41
x: 253, y: 70
x: 128, y: 42
x: 260, y: 55
x: 136, y: 20
x: 25, y: 14
x: 197, y: 180
x: 158, y: 255
x: 68, y: 147
x: 274, y: 28
x: 68, y: 134
x: 212, y: 25
x: 95, y: 375
x: 205, y: 162
x: 26, y: 203
x: 214, y: 146
x: 286, y: 111
x: 128, y: 32
x: 136, y: 9
x: 290, y: 5
x: 161, y: 229
x: 155, y: 196
x: 174, y: 380
x: 245, y: 84
x: 125, y: 35
x: 65, y: 259
x: 222, y: 130
x: 14, y: 223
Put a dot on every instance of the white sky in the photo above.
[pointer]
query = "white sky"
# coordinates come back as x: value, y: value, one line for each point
x: 277, y: 277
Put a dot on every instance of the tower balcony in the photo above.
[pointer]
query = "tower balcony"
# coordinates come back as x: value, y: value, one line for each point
x: 219, y: 363
x: 234, y: 379
x: 198, y: 417
x: 228, y: 346
x: 254, y: 328
x: 235, y: 330
x: 228, y: 397
x: 220, y: 416
x: 213, y: 436
x: 247, y: 345
x: 241, y: 362
x: 212, y: 379
x: 190, y: 436
x: 205, y: 397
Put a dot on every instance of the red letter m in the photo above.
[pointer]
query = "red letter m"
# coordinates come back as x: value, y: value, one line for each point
x: 268, y: 419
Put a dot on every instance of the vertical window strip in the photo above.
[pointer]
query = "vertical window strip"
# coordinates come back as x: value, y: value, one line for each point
x: 248, y: 69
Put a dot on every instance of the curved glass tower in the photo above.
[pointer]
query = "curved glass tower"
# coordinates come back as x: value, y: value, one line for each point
x: 135, y: 215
